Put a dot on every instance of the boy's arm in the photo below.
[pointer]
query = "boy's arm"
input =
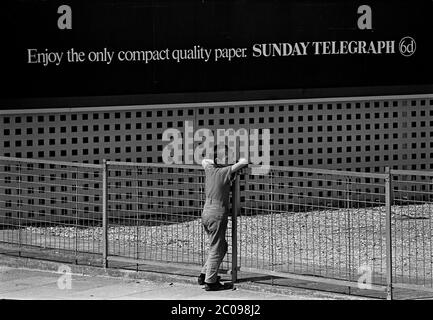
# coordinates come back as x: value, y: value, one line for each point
x: 206, y: 162
x: 239, y: 165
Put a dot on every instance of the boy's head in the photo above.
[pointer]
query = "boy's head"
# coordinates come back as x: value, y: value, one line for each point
x: 221, y: 154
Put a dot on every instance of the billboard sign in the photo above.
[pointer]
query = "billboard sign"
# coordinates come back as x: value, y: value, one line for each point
x: 144, y: 51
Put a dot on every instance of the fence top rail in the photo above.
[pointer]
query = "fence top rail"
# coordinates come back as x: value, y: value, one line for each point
x: 198, y: 167
x: 329, y: 172
x: 155, y: 165
x: 52, y: 162
x: 412, y: 173
x: 275, y: 168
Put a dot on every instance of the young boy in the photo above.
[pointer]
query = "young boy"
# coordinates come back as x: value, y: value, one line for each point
x: 215, y: 213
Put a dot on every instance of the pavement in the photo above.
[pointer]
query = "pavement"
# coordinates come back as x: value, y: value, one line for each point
x: 33, y: 274
x: 44, y: 274
x: 29, y: 284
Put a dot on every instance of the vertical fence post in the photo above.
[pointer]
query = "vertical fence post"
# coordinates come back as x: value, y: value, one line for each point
x: 388, y: 204
x: 137, y: 226
x: 76, y: 215
x: 349, y: 231
x: 104, y: 214
x: 271, y: 208
x: 235, y: 210
x: 19, y: 209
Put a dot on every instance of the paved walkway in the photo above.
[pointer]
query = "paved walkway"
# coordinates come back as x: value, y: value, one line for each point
x: 18, y: 283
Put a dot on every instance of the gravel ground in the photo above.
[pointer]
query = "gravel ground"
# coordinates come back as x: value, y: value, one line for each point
x: 332, y: 243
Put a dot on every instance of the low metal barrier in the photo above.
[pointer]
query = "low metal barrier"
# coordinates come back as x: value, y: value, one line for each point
x: 322, y: 225
x: 154, y: 215
x: 412, y: 243
x: 328, y: 226
x: 51, y: 204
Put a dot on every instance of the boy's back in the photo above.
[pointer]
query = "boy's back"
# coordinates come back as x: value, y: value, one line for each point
x: 218, y: 183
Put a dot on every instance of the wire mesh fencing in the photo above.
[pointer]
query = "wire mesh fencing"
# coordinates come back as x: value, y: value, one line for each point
x: 52, y: 205
x: 154, y: 214
x: 412, y: 243
x: 322, y: 223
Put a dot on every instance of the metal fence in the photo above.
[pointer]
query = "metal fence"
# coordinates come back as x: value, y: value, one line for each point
x: 314, y: 222
x: 412, y: 243
x: 123, y: 211
x: 51, y: 204
x: 154, y: 214
x: 310, y: 224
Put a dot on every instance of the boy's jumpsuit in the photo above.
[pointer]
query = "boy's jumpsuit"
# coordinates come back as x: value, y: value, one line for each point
x: 215, y: 216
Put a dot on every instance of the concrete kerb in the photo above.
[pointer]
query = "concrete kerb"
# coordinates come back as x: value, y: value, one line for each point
x: 170, y: 276
x: 87, y: 270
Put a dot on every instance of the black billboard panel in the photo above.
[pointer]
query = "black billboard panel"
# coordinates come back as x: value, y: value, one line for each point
x: 188, y: 51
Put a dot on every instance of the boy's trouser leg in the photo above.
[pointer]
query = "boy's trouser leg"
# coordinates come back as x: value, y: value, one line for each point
x: 215, y: 226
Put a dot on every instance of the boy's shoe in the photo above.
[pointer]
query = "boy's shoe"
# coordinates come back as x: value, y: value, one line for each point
x: 202, y: 277
x: 217, y: 286
x: 213, y: 286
